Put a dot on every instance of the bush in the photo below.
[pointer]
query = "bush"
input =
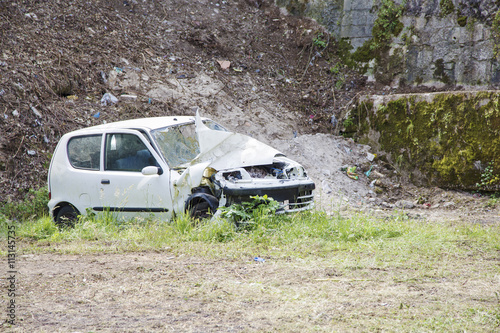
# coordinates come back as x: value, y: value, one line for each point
x: 34, y: 206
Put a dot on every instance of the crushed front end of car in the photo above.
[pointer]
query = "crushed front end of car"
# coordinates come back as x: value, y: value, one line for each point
x: 231, y: 168
x: 284, y: 180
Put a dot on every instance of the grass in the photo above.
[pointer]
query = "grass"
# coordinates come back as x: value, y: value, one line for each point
x: 391, y: 257
x: 313, y: 233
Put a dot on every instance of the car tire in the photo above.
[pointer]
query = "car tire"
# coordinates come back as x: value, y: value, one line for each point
x: 67, y: 216
x: 202, y: 208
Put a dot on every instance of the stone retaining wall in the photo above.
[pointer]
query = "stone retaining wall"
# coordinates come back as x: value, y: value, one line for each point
x: 438, y: 46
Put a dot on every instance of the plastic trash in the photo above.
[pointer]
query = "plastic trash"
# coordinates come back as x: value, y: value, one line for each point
x: 351, y: 173
x: 311, y: 119
x: 128, y: 97
x: 258, y: 259
x: 103, y: 76
x: 97, y: 115
x: 333, y: 121
x: 108, y: 99
x: 36, y: 112
x: 224, y: 64
x: 369, y: 171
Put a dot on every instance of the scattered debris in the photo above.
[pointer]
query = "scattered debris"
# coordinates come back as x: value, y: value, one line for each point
x: 127, y: 97
x: 224, y: 64
x: 108, y: 99
x: 36, y: 112
x: 351, y: 172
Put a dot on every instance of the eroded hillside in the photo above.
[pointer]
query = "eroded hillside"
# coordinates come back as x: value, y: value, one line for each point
x: 58, y: 58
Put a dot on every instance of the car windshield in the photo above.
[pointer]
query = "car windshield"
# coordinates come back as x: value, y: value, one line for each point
x: 178, y: 144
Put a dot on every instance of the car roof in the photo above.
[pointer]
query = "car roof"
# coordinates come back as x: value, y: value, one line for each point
x: 143, y: 123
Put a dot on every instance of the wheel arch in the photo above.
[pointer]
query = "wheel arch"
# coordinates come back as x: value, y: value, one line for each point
x: 199, y: 197
x: 60, y: 206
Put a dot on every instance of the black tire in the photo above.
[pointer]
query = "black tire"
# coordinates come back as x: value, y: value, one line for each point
x: 67, y: 216
x: 202, y: 205
x: 200, y: 210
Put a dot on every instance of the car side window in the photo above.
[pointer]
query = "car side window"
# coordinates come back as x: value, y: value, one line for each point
x: 126, y: 152
x: 84, y: 152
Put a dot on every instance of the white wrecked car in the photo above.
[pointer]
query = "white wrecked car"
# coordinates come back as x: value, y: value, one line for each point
x: 165, y: 166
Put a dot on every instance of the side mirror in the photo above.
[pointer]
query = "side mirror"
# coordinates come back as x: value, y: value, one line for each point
x: 151, y: 170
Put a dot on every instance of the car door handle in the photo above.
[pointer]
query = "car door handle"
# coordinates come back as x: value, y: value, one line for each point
x: 105, y: 181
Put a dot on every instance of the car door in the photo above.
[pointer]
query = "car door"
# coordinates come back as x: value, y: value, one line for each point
x: 124, y: 189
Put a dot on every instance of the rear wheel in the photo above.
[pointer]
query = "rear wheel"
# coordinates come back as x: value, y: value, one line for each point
x: 67, y: 216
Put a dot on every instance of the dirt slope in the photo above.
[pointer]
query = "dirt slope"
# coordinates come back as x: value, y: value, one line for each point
x: 284, y: 83
x: 59, y: 57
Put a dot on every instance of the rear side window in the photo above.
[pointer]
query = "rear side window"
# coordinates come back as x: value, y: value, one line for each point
x: 84, y: 152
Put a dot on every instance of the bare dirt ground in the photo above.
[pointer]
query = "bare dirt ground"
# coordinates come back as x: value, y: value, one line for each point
x: 145, y: 292
x: 58, y: 58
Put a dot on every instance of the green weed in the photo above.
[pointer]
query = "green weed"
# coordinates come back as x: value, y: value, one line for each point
x: 33, y: 206
x: 488, y: 177
x: 319, y: 42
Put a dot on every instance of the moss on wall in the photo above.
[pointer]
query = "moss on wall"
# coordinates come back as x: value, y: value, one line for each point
x: 387, y: 25
x: 446, y: 7
x: 449, y: 137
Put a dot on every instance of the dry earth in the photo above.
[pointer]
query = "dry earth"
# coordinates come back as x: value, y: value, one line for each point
x: 145, y: 292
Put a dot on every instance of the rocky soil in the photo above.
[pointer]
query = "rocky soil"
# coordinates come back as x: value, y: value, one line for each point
x: 247, y: 64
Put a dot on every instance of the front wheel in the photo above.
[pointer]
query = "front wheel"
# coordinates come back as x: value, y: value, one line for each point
x: 67, y: 216
x: 202, y: 206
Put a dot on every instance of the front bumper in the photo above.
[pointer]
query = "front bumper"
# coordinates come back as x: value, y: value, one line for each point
x: 293, y: 195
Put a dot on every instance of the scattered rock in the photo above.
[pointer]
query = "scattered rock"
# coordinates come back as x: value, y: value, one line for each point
x: 386, y: 205
x: 448, y: 204
x: 326, y: 187
x: 404, y: 204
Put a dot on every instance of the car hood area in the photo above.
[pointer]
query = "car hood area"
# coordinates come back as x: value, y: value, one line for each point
x: 226, y: 150
x: 234, y: 163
